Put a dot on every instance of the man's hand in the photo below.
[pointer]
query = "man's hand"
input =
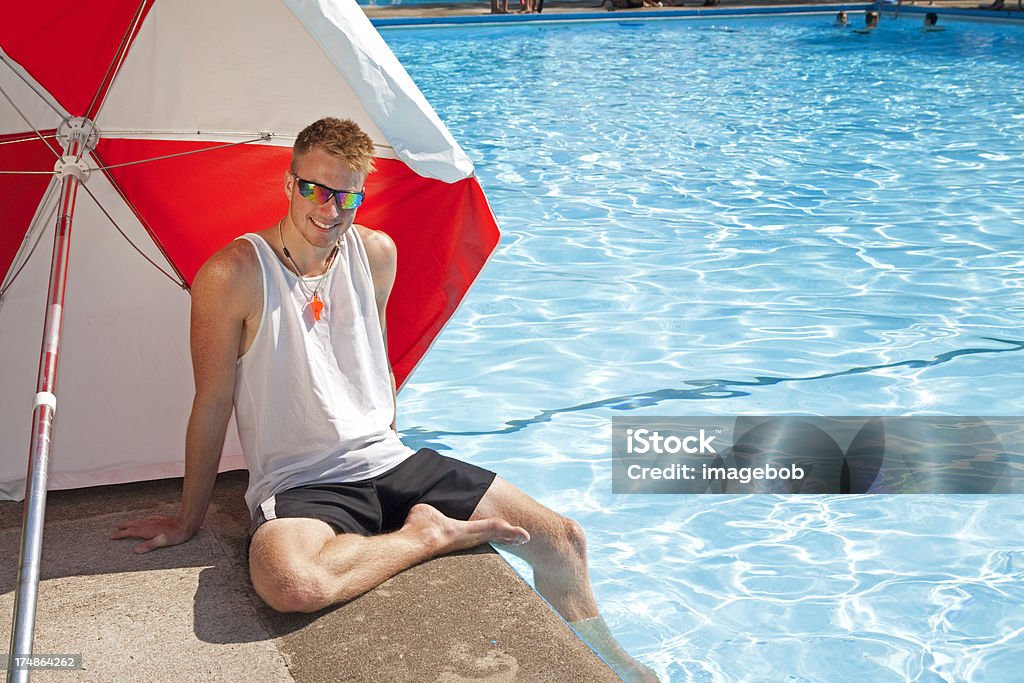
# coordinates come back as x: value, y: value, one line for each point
x: 159, y: 532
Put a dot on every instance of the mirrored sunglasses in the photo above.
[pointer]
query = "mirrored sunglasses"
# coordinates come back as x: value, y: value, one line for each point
x: 321, y: 193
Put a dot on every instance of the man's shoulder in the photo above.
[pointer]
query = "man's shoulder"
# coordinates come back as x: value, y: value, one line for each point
x: 234, y: 265
x: 376, y: 239
x: 383, y: 257
x: 379, y: 246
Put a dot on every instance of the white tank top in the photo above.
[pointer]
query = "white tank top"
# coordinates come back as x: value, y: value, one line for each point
x: 313, y: 400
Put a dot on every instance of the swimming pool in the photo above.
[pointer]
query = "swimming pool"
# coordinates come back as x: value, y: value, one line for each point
x: 745, y: 216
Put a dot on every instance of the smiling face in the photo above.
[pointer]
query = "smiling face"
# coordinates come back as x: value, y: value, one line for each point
x: 320, y: 225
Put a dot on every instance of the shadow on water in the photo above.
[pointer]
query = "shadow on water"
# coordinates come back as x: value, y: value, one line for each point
x: 703, y: 390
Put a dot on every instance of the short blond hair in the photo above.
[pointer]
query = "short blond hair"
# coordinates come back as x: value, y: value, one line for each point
x: 341, y: 138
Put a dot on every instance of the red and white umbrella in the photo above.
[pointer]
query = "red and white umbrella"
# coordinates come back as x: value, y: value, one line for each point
x: 174, y: 120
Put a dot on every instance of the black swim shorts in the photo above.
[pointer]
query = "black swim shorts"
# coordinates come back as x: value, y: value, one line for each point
x: 381, y: 504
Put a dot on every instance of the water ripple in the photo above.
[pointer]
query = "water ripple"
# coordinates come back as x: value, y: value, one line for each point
x: 708, y: 389
x: 758, y: 216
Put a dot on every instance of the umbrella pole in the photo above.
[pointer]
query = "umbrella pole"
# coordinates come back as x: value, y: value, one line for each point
x: 43, y: 411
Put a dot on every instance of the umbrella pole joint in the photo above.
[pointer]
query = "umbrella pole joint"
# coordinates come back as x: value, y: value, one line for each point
x: 70, y: 166
x: 78, y: 136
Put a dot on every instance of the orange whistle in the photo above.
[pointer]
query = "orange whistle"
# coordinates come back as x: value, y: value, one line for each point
x: 318, y: 306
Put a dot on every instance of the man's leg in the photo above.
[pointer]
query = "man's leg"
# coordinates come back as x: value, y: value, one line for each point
x: 302, y: 565
x: 557, y: 551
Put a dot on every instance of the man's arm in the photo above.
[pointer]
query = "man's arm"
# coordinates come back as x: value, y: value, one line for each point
x: 222, y: 300
x: 383, y: 257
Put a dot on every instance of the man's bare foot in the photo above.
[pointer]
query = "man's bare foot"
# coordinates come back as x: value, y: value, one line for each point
x: 635, y: 672
x: 445, y: 535
x: 595, y: 632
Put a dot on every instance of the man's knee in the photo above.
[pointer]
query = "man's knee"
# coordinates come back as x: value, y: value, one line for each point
x: 283, y: 564
x: 290, y: 587
x: 574, y: 536
x: 565, y: 539
x: 286, y: 579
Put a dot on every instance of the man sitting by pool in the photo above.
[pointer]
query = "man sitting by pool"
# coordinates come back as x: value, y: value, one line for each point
x: 288, y: 328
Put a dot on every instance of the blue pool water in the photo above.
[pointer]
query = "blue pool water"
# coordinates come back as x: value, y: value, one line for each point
x: 745, y: 216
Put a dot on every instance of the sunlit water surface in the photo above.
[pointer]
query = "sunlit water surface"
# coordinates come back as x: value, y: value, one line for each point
x: 745, y: 216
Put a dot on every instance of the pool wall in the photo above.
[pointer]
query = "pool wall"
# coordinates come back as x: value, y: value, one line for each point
x: 693, y: 12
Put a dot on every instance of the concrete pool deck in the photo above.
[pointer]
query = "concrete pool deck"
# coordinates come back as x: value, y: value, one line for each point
x: 189, y: 613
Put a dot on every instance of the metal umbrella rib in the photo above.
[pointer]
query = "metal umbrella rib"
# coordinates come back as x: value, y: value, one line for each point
x: 176, y: 280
